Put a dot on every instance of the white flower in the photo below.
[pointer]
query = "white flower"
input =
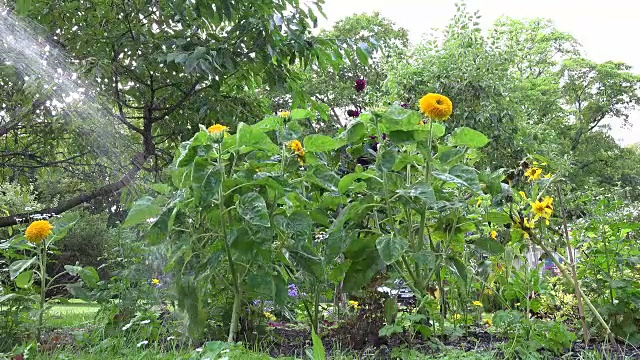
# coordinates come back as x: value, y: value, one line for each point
x: 171, y: 337
x: 126, y: 326
x: 145, y: 322
x: 199, y: 349
x: 144, y: 342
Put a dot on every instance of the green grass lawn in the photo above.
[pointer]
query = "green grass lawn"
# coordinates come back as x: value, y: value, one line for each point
x: 74, y: 314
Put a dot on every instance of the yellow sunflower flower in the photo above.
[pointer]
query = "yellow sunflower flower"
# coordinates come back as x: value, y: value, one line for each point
x: 38, y: 231
x: 493, y: 234
x: 533, y: 173
x: 284, y: 114
x: 436, y: 106
x: 296, y: 147
x: 216, y: 129
x: 477, y: 303
x: 155, y: 281
x: 488, y: 322
x: 354, y: 304
x: 542, y: 209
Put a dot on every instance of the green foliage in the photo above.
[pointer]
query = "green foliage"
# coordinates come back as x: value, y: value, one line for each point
x: 608, y: 237
x: 529, y: 336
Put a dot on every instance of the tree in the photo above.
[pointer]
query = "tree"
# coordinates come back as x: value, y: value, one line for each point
x: 374, y: 39
x: 473, y: 73
x: 165, y: 67
x: 595, y: 92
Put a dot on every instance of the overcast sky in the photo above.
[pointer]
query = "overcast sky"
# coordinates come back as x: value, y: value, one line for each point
x: 607, y: 30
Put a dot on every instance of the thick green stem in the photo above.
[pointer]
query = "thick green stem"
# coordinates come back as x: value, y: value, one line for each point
x: 568, y: 277
x: 237, y: 294
x: 316, y: 308
x: 43, y: 286
x: 572, y: 263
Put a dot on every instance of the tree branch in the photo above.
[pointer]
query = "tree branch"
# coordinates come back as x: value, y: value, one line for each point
x: 137, y: 162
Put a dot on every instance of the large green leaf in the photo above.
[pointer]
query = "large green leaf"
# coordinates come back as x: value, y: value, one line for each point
x: 142, y: 210
x: 325, y: 178
x: 253, y: 208
x: 468, y: 175
x: 464, y: 136
x: 19, y: 266
x: 354, y: 133
x: 23, y: 280
x: 461, y: 175
x: 422, y: 191
x: 253, y: 138
x: 63, y: 224
x: 299, y: 114
x: 88, y: 274
x: 198, y: 145
x: 269, y: 123
x: 489, y: 245
x: 387, y: 159
x: 498, y: 218
x: 391, y: 247
x: 299, y: 226
x: 458, y: 267
x: 398, y: 118
x: 321, y: 143
x: 345, y: 183
x: 360, y: 272
x: 307, y: 259
x: 362, y: 54
x: 318, y: 347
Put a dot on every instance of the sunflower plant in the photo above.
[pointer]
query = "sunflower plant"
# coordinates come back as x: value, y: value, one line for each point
x: 28, y: 270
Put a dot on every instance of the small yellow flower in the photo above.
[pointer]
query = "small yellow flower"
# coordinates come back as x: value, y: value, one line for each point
x: 436, y: 106
x: 457, y: 316
x: 155, y: 281
x: 216, y: 129
x: 533, y: 173
x: 38, y: 231
x: 284, y: 114
x: 354, y: 304
x: 488, y: 322
x: 542, y: 208
x: 523, y: 195
x: 269, y: 316
x: 493, y: 234
x: 477, y: 303
x: 296, y: 147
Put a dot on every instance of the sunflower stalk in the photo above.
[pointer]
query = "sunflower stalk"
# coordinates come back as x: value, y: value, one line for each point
x: 572, y: 263
x: 569, y: 278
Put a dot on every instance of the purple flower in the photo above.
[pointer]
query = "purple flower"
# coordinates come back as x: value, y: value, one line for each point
x: 384, y: 136
x: 374, y: 146
x: 372, y: 137
x: 360, y: 85
x: 293, y: 290
x: 404, y: 105
x: 353, y: 113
